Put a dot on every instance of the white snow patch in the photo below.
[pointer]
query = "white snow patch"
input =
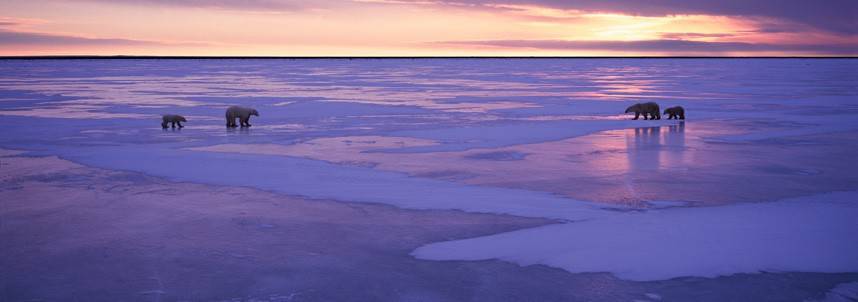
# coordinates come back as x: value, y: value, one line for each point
x: 809, y: 234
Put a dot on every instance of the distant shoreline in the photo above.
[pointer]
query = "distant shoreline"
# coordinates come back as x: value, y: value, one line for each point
x: 121, y: 57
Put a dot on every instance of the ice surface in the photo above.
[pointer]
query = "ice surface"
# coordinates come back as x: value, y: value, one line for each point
x: 317, y: 179
x: 6, y: 152
x: 844, y: 292
x: 652, y: 296
x: 641, y: 167
x: 80, y: 232
x: 810, y: 234
x: 537, y: 138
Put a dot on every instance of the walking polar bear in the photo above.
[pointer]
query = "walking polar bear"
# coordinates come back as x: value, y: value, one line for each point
x: 172, y: 118
x: 675, y: 113
x: 650, y: 109
x: 241, y: 113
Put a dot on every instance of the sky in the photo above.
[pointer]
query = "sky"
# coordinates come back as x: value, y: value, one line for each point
x: 430, y: 28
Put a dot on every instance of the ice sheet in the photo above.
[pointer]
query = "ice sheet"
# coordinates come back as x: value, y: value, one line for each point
x: 539, y: 138
x: 809, y: 234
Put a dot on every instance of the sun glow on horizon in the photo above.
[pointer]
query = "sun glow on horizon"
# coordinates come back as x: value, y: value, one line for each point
x: 388, y: 28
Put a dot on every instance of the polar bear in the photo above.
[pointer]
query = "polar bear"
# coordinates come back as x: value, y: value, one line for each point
x: 650, y: 109
x: 675, y: 113
x: 172, y: 118
x: 242, y: 113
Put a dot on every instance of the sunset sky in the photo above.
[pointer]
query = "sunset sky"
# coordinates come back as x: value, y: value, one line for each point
x: 429, y: 28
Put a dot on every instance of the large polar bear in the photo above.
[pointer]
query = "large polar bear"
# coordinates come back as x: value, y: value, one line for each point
x: 650, y: 109
x: 242, y: 113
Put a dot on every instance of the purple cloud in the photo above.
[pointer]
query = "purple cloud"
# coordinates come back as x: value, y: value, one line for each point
x: 681, y: 36
x: 8, y: 38
x: 224, y: 4
x: 668, y: 46
x: 838, y: 16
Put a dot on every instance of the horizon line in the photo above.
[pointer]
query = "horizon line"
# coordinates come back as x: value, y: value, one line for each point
x: 84, y: 57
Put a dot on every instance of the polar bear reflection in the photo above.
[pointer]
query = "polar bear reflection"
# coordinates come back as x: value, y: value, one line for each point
x: 654, y: 148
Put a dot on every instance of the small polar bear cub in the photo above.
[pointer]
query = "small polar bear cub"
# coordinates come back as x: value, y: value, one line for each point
x: 174, y: 119
x: 242, y: 113
x: 675, y: 113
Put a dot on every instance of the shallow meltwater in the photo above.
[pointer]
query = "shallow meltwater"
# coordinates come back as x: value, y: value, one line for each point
x: 631, y: 167
x: 679, y: 163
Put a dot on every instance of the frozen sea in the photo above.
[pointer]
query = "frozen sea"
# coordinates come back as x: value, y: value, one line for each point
x: 429, y: 180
